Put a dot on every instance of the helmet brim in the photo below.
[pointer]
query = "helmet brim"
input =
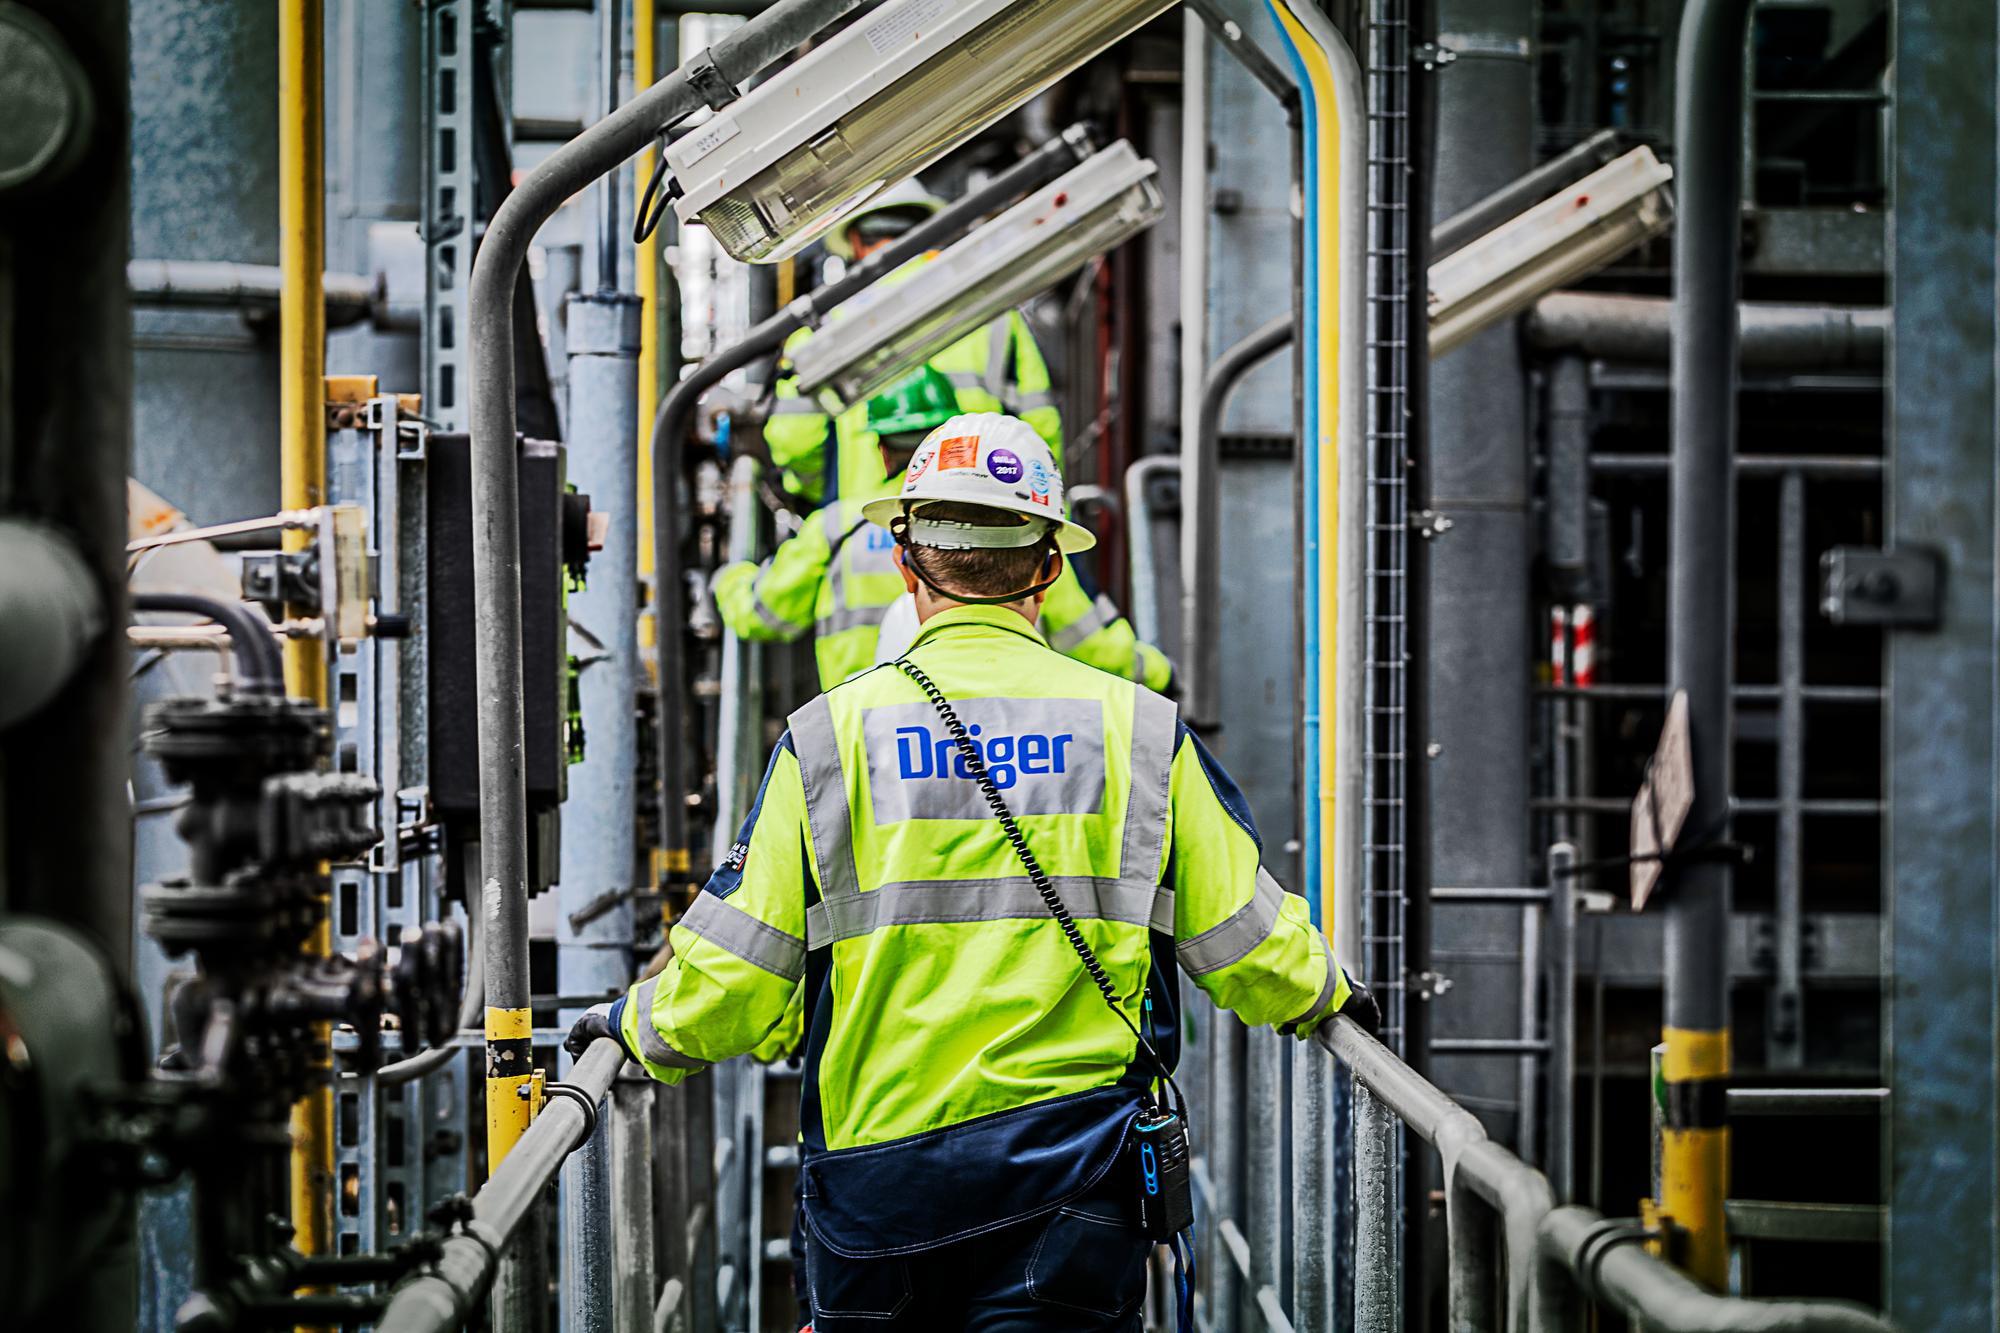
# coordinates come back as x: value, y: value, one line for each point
x: 1071, y: 538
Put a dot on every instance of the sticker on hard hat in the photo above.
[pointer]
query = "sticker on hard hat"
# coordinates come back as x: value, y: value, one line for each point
x: 958, y: 451
x: 918, y: 465
x: 1041, y: 480
x: 1005, y: 465
x: 1047, y: 754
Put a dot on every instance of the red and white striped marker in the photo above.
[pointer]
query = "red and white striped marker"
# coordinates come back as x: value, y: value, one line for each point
x: 1583, y: 649
x: 1558, y: 646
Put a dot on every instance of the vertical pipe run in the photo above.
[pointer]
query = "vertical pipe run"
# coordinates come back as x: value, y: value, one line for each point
x: 632, y: 1201
x: 609, y: 46
x: 1786, y: 1040
x: 646, y: 267
x: 1708, y: 118
x: 1200, y: 652
x: 302, y: 480
x: 1560, y: 1161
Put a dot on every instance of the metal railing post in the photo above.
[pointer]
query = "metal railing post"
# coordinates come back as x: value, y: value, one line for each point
x: 1378, y: 1289
x: 586, y: 1259
x: 1560, y: 1160
x: 632, y: 1097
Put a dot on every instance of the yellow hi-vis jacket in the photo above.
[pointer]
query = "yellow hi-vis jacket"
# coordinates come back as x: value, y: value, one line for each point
x: 998, y: 368
x: 962, y: 1071
x: 835, y: 577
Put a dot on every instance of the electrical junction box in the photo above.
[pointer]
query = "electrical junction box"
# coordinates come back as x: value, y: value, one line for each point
x: 554, y: 538
x: 886, y: 331
x: 881, y: 100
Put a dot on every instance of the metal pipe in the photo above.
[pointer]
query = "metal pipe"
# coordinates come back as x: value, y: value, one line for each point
x: 1608, y: 1261
x: 589, y: 1271
x: 632, y: 1097
x: 1263, y: 1216
x: 1772, y: 336
x: 1561, y: 1156
x: 447, y: 1296
x: 646, y: 271
x: 496, y: 519
x: 1315, y: 1205
x: 610, y: 45
x: 259, y: 667
x: 200, y: 283
x: 1145, y: 573
x: 1378, y: 1298
x: 1568, y: 427
x: 1524, y: 192
x: 1198, y: 659
x: 1748, y: 465
x: 1201, y: 510
x: 1786, y: 1037
x: 50, y: 615
x: 302, y: 485
x: 1708, y: 118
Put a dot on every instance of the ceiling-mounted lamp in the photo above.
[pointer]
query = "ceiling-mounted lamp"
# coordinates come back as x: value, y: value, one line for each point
x: 886, y: 331
x: 885, y: 98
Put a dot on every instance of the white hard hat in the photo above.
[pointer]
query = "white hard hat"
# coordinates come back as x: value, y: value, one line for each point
x: 990, y: 460
x: 904, y: 194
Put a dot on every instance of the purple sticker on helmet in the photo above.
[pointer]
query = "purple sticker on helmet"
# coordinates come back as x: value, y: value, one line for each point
x: 1005, y: 465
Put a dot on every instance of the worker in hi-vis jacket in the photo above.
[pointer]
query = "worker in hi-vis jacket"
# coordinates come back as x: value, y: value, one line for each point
x: 997, y: 368
x: 836, y: 580
x: 992, y: 1005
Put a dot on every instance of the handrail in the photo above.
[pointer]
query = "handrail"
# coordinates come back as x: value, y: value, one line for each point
x: 1558, y: 1258
x: 449, y: 1294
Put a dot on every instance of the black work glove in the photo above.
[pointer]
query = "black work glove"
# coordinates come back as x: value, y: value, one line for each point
x: 1361, y: 1007
x: 593, y: 1026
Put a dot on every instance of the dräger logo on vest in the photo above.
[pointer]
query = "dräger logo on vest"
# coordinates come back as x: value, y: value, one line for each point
x: 1046, y: 754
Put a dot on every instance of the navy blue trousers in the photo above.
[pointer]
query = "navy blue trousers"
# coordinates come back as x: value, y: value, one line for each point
x: 1080, y: 1269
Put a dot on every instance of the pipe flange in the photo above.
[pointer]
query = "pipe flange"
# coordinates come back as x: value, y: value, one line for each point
x: 581, y: 1098
x: 707, y: 78
x: 46, y: 110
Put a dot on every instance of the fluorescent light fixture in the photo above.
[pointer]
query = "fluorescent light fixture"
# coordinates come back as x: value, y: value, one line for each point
x: 880, y: 101
x: 891, y: 328
x: 1588, y: 225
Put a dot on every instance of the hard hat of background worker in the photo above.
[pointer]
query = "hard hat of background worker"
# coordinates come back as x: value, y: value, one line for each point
x: 883, y: 218
x: 992, y: 461
x: 904, y: 413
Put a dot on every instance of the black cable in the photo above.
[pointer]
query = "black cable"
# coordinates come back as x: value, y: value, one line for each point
x: 259, y: 666
x: 1058, y: 909
x: 653, y: 202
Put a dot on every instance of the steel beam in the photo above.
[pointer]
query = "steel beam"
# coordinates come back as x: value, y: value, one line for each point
x: 1942, y: 727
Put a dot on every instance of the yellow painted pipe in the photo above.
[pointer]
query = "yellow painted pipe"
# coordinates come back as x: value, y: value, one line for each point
x: 302, y: 482
x: 1694, y: 1150
x: 509, y: 1109
x: 645, y: 29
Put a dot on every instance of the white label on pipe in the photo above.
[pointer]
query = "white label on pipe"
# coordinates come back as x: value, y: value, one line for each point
x: 904, y: 24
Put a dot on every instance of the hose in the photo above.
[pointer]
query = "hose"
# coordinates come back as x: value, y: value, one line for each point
x: 260, y: 669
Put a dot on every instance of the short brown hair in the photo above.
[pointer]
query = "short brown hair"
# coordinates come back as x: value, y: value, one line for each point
x: 981, y: 573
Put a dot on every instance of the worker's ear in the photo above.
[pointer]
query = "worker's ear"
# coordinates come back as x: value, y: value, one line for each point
x: 903, y: 568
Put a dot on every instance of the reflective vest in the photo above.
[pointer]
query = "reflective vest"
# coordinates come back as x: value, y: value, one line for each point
x: 962, y: 1071
x: 835, y: 577
x: 998, y: 368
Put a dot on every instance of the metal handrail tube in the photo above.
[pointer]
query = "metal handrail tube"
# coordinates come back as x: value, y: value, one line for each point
x: 677, y: 411
x: 1523, y: 193
x: 496, y: 537
x: 1557, y: 1256
x: 447, y: 1296
x: 1601, y: 1260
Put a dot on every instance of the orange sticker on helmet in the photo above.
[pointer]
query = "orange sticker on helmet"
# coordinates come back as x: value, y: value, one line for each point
x: 958, y: 451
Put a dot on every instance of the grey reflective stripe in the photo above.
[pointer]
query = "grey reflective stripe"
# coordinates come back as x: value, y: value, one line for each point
x: 836, y: 573
x: 1018, y: 402
x: 774, y: 622
x: 1014, y: 898
x: 652, y: 1045
x: 1154, y: 730
x: 818, y: 751
x: 999, y: 355
x: 1101, y: 613
x: 1232, y: 940
x: 734, y: 931
x: 1163, y: 910
x: 964, y: 379
x: 850, y: 617
x: 1325, y: 995
x: 797, y: 406
x: 1138, y: 666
